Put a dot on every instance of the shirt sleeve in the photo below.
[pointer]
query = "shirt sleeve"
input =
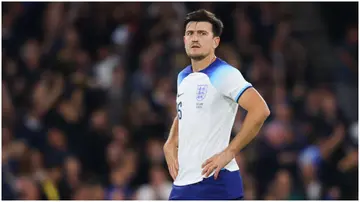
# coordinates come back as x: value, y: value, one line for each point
x: 231, y: 83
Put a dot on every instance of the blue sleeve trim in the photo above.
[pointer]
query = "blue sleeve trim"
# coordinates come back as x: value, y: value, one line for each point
x: 242, y: 91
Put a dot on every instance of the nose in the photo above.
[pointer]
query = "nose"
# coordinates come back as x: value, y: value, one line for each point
x: 194, y: 38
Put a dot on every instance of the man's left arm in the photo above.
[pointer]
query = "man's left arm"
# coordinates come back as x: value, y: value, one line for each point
x: 257, y: 112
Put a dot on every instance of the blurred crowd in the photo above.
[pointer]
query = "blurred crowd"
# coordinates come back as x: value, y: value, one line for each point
x: 88, y: 96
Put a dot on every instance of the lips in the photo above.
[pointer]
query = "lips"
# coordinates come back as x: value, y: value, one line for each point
x: 195, y: 46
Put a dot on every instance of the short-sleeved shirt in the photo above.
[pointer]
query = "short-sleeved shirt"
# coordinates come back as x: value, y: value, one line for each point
x: 207, y: 103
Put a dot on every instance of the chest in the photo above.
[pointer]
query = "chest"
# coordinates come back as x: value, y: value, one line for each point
x: 196, y: 95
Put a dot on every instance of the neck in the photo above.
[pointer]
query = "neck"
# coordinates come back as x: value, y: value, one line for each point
x: 198, y: 65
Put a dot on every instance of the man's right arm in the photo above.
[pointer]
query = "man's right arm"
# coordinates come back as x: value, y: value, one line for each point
x: 171, y: 149
x: 173, y: 138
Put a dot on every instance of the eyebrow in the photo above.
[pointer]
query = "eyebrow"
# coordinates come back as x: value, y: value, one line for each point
x: 199, y: 30
x: 191, y: 30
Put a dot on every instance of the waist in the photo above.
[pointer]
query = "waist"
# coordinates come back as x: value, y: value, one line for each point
x: 190, y: 172
x: 227, y: 186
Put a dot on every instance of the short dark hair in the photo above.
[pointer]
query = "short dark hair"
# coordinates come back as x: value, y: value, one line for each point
x: 203, y: 15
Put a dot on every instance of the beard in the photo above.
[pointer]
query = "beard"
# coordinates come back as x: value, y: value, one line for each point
x: 197, y: 57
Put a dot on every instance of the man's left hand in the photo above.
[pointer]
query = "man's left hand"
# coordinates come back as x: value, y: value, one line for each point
x: 217, y: 162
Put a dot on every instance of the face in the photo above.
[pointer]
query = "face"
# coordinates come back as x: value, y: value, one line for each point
x: 199, y: 40
x: 72, y: 165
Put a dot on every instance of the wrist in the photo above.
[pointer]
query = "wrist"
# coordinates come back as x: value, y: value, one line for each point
x: 231, y: 151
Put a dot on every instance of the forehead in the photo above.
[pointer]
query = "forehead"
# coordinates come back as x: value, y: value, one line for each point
x: 194, y: 26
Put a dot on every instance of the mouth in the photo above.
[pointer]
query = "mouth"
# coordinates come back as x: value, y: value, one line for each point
x: 195, y: 46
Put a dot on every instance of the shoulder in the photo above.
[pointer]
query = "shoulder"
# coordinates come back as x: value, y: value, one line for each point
x: 221, y: 71
x: 183, y: 73
x: 186, y: 70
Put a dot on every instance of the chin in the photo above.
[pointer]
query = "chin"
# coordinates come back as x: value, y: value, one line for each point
x: 196, y: 56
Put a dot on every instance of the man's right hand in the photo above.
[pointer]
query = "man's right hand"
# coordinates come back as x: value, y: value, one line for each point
x: 170, y: 152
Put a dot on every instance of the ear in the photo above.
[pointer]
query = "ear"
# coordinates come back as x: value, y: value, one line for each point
x: 216, y: 42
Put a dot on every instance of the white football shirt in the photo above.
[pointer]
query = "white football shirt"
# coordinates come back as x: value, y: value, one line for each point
x: 207, y: 105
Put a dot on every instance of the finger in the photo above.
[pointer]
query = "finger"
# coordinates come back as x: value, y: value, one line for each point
x: 177, y: 164
x: 174, y: 176
x: 171, y: 172
x: 209, y: 171
x: 206, y: 168
x: 207, y: 162
x: 217, y: 171
x: 176, y: 173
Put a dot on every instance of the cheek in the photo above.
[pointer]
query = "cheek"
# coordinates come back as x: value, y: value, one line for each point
x: 187, y: 45
x: 207, y: 45
x: 186, y: 41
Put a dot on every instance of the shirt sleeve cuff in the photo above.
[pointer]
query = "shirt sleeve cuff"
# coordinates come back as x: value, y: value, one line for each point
x: 242, y: 91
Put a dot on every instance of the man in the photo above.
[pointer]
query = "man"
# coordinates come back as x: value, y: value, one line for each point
x: 200, y: 159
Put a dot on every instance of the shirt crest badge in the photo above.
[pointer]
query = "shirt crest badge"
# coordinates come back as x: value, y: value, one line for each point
x: 201, y: 92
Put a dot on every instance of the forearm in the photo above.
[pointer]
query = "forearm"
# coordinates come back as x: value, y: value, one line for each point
x: 250, y: 128
x: 171, y: 150
x: 173, y: 138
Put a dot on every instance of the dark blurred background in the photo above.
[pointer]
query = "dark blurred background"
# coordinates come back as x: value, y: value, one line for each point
x: 88, y: 96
